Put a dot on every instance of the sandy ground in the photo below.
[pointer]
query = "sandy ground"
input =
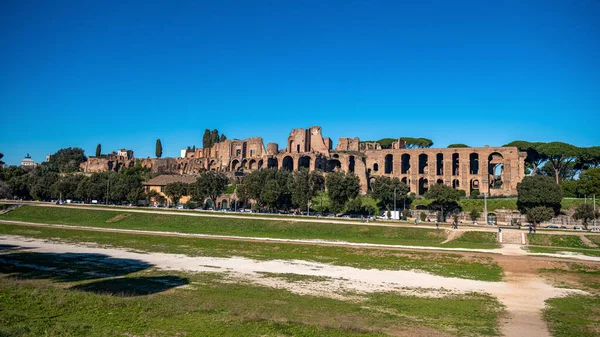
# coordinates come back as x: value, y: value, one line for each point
x: 523, y: 294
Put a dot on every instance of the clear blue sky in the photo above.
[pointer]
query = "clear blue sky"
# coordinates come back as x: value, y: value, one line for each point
x: 79, y: 73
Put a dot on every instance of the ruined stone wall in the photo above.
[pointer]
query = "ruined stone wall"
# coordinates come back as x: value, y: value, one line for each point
x: 348, y: 144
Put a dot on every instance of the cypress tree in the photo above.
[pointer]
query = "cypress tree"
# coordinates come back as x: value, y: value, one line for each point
x: 214, y: 136
x: 98, y: 150
x: 158, y: 148
x: 207, y: 139
x: 223, y: 138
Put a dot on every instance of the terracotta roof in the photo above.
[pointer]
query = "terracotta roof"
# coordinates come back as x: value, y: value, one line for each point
x: 165, y: 179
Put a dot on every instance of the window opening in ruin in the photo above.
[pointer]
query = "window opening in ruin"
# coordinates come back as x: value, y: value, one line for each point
x: 439, y: 165
x: 272, y: 163
x: 298, y: 148
x: 389, y: 164
x: 238, y: 152
x: 496, y: 170
x: 455, y: 184
x: 455, y: 164
x: 304, y: 161
x: 351, y: 164
x: 332, y: 165
x: 288, y: 163
x: 440, y: 182
x: 423, y: 163
x: 404, y: 163
x: 474, y: 163
x: 375, y: 167
x: 423, y: 186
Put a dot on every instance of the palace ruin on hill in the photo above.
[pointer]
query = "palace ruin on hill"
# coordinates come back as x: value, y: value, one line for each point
x: 492, y: 170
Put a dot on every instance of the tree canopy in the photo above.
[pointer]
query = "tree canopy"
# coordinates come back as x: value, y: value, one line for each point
x: 341, y: 187
x: 176, y: 190
x: 211, y: 138
x: 559, y: 155
x: 420, y: 143
x: 305, y: 186
x: 159, y: 149
x: 537, y: 215
x: 457, y: 146
x: 382, y: 189
x: 445, y: 199
x: 534, y: 157
x: 66, y: 160
x: 210, y: 185
x: 534, y: 191
x: 585, y: 213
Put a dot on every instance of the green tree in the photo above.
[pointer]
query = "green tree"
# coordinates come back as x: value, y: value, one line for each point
x: 214, y: 136
x: 223, y: 138
x: 534, y: 158
x: 207, y: 139
x: 444, y: 199
x: 41, y: 187
x: 420, y: 143
x: 534, y: 191
x: 158, y: 148
x: 585, y: 213
x: 270, y: 194
x: 176, y: 190
x: 66, y: 186
x: 211, y: 184
x: 590, y: 156
x: 474, y: 215
x: 1, y: 162
x: 305, y: 186
x: 457, y: 146
x: 98, y: 150
x: 559, y: 155
x: 382, y: 189
x: 537, y: 215
x: 589, y: 182
x: 341, y: 187
x: 66, y: 160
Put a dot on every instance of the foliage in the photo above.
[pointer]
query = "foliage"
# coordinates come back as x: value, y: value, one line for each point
x: 423, y: 216
x: 98, y: 150
x: 341, y: 187
x: 159, y: 149
x: 361, y: 206
x: 210, y: 138
x: 66, y: 160
x: 559, y: 155
x: 474, y: 215
x: 534, y: 157
x: 210, y: 185
x: 420, y: 143
x: 382, y: 189
x: 534, y: 191
x: 570, y: 188
x: 590, y: 156
x: 176, y: 190
x: 4, y: 190
x: 589, y: 182
x: 457, y: 146
x: 41, y: 185
x: 305, y: 186
x: 475, y: 193
x: 444, y: 198
x: 66, y: 186
x: 585, y: 213
x: 1, y: 162
x: 539, y: 214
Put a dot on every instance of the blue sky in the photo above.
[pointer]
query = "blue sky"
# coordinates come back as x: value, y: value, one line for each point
x: 79, y: 73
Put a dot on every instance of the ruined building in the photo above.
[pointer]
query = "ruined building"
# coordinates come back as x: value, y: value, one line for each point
x: 492, y: 170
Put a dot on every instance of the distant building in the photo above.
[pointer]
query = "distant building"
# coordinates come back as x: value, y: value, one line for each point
x: 158, y: 184
x: 126, y: 154
x: 27, y: 162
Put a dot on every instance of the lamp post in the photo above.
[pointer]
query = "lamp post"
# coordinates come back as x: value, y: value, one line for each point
x: 394, y: 203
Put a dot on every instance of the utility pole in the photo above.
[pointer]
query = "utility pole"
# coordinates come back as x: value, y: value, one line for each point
x: 394, y: 203
x: 107, y: 189
x: 485, y: 208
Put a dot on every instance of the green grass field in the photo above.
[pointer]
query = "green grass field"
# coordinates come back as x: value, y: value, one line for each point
x: 493, y: 204
x: 452, y: 265
x: 559, y: 250
x: 483, y: 240
x: 556, y: 240
x: 575, y: 315
x: 238, y: 227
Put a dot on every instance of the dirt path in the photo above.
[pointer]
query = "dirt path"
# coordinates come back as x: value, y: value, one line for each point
x: 453, y: 235
x: 588, y: 242
x: 523, y: 293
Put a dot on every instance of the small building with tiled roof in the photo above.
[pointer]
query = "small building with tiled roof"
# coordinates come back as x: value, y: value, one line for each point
x: 158, y: 184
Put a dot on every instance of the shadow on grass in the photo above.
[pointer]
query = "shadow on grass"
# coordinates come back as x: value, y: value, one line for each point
x: 132, y: 286
x: 4, y: 248
x: 67, y: 267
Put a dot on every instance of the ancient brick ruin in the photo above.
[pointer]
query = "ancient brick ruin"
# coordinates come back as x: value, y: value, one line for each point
x: 492, y: 170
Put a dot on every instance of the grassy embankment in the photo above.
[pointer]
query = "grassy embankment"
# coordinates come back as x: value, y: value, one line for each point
x: 575, y: 315
x: 246, y: 227
x: 443, y: 264
x: 493, y: 204
x: 71, y: 299
x: 556, y: 243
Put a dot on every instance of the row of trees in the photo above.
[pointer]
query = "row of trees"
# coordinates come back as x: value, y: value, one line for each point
x: 211, y: 138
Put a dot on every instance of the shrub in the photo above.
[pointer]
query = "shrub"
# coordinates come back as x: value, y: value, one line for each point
x: 475, y: 193
x: 423, y: 216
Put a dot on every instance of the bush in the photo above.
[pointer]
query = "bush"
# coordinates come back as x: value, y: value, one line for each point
x: 474, y: 215
x: 462, y: 193
x: 475, y: 193
x: 423, y: 216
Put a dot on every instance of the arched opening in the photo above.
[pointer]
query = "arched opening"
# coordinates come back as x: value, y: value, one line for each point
x: 260, y: 164
x: 404, y: 163
x: 291, y: 146
x: 423, y: 186
x: 492, y: 219
x: 252, y: 164
x: 474, y: 163
x: 439, y: 164
x: 298, y: 148
x: 455, y: 184
x: 211, y: 166
x: 389, y: 164
x: 224, y: 204
x: 235, y: 165
x: 272, y: 163
x: 287, y: 163
x: 440, y: 182
x: 406, y: 182
x: 375, y: 167
x: 332, y: 165
x: 304, y: 161
x: 496, y: 170
x: 423, y: 164
x: 474, y: 186
x: 371, y: 180
x: 455, y: 164
x: 351, y: 164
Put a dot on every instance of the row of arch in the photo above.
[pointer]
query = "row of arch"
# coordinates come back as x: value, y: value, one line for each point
x: 423, y: 184
x: 288, y: 163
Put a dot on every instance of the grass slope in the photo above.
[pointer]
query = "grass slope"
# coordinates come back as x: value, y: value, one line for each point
x: 556, y: 240
x: 575, y: 315
x: 228, y: 226
x: 452, y: 265
x: 493, y: 204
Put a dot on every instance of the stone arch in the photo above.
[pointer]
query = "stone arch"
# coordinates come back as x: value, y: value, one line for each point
x: 405, y: 163
x: 492, y: 219
x: 440, y: 182
x: 235, y: 165
x: 474, y: 163
x: 224, y: 204
x: 304, y: 162
x: 335, y: 156
x: 260, y: 164
x: 496, y: 170
x: 474, y: 185
x: 423, y: 163
x: 252, y: 164
x: 406, y: 182
x: 332, y: 164
x: 389, y: 164
x: 287, y: 163
x: 423, y: 186
x: 439, y: 164
x: 272, y: 163
x: 351, y: 163
x: 455, y: 164
x: 455, y: 184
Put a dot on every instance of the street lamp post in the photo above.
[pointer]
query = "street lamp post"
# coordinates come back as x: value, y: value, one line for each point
x: 394, y: 203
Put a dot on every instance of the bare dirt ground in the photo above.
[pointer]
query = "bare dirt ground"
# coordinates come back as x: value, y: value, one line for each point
x: 523, y: 292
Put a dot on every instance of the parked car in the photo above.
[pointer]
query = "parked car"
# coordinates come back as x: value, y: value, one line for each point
x: 577, y: 228
x: 552, y: 227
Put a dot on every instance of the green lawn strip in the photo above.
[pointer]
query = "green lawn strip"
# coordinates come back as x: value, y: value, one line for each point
x: 208, y: 306
x: 575, y: 315
x: 493, y: 204
x: 558, y: 250
x: 587, y: 276
x: 228, y: 226
x: 594, y: 238
x: 556, y: 240
x: 477, y: 240
x: 444, y: 264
